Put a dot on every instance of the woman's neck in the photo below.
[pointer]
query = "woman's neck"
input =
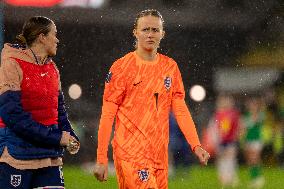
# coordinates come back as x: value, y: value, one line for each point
x: 147, y: 55
x: 38, y: 53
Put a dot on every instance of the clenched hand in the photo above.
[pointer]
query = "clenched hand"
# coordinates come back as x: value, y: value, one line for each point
x: 101, y: 172
x: 202, y: 155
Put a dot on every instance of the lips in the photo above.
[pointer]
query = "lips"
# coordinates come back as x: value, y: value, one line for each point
x: 150, y: 42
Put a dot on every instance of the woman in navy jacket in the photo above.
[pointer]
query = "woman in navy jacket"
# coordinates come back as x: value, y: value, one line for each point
x: 34, y: 127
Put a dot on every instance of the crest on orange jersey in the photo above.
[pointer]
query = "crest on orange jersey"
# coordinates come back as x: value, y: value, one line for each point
x: 143, y: 175
x: 108, y: 77
x: 168, y: 83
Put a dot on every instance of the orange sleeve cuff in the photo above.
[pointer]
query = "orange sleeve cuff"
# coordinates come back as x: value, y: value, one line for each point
x: 185, y: 122
x: 109, y: 110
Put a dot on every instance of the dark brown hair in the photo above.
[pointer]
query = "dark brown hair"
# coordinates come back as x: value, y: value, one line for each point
x: 33, y: 28
x: 148, y: 12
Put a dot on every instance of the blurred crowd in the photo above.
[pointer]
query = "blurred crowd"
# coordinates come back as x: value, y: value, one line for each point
x: 248, y: 130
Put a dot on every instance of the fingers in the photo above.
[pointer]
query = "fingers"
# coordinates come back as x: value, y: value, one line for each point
x: 100, y: 172
x: 105, y: 176
x: 203, y: 156
x: 73, y: 146
x: 99, y: 176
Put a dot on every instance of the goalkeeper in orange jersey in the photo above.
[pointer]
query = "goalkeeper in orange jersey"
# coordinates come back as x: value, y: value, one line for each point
x: 141, y: 89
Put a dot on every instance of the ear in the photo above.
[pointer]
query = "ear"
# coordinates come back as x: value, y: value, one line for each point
x: 135, y: 33
x: 163, y: 34
x: 41, y: 37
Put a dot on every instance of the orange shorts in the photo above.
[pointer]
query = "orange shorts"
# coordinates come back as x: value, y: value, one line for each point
x: 132, y: 176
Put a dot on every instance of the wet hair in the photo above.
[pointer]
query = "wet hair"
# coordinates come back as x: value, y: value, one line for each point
x: 32, y: 29
x: 148, y: 12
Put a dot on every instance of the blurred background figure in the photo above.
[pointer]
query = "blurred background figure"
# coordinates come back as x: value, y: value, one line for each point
x: 272, y: 131
x: 224, y: 130
x: 253, y: 121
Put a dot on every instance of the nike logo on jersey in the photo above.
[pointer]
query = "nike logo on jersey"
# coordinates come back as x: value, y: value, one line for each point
x: 43, y: 74
x: 137, y: 83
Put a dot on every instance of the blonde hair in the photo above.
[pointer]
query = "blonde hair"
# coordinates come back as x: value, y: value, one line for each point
x: 148, y: 12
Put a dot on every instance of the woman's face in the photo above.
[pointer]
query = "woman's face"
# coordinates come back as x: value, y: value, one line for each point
x: 149, y: 32
x: 50, y: 41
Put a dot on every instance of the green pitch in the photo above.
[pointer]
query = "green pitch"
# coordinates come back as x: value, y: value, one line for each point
x: 196, y: 177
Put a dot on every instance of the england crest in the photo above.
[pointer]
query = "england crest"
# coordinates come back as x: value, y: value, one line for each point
x: 143, y: 175
x: 168, y: 83
x: 16, y: 180
x: 108, y: 77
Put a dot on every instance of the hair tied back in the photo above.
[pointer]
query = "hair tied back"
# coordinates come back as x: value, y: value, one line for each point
x: 21, y: 39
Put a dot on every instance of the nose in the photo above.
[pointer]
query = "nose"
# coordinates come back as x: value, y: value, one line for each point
x: 150, y: 33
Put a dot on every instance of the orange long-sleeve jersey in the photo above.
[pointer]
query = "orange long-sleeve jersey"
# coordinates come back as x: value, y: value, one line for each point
x: 140, y: 94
